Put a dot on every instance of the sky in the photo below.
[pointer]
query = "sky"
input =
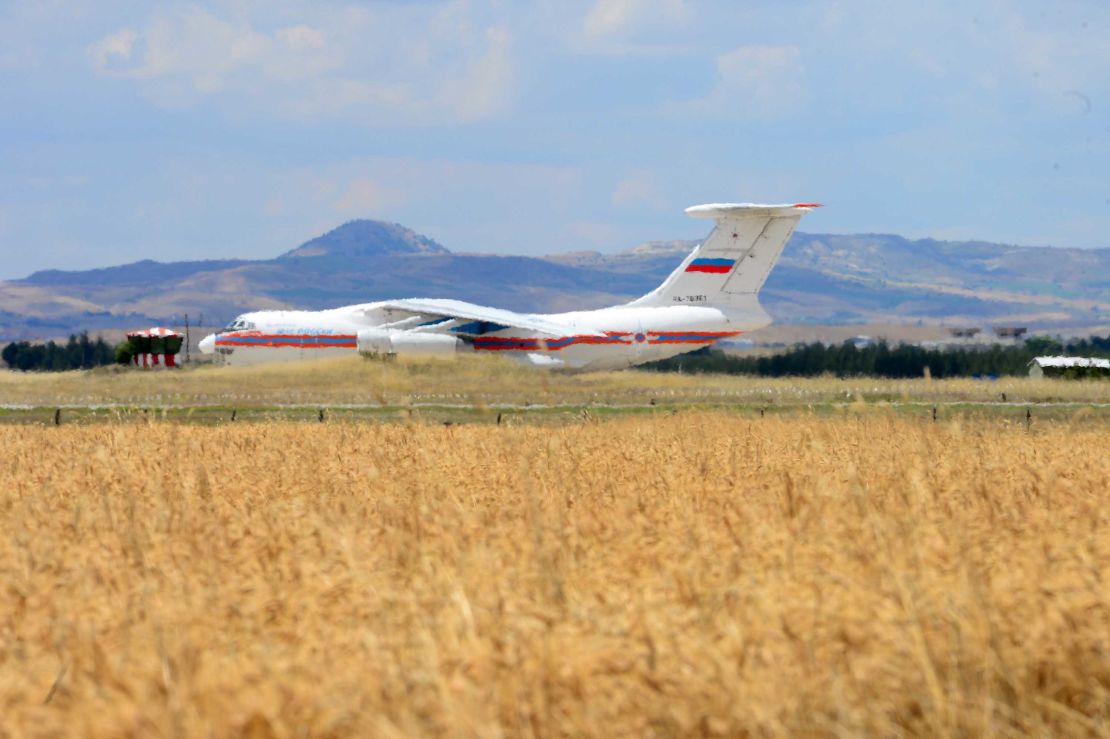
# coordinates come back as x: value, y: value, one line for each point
x: 199, y: 130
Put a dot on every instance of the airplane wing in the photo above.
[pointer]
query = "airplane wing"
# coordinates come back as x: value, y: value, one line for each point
x: 467, y: 318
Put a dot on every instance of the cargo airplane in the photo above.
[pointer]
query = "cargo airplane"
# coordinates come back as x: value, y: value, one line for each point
x: 712, y: 295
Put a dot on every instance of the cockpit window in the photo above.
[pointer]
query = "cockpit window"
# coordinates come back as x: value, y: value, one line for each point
x: 239, y: 324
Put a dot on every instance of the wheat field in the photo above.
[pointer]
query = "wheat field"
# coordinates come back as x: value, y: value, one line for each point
x: 689, y: 574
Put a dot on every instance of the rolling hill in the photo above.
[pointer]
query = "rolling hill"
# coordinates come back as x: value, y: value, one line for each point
x: 820, y: 279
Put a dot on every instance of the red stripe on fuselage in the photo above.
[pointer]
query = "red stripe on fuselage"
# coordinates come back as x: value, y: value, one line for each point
x: 717, y: 334
x: 260, y: 335
x: 294, y: 344
x: 655, y: 342
x: 483, y: 343
x: 612, y: 338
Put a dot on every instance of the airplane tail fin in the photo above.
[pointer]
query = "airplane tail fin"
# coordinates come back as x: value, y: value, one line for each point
x: 730, y: 266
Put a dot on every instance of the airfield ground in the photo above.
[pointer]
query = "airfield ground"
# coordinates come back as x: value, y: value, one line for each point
x: 478, y: 389
x: 840, y: 564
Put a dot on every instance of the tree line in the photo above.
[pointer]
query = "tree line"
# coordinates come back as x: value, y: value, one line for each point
x: 80, y: 352
x: 883, y: 360
x: 841, y: 360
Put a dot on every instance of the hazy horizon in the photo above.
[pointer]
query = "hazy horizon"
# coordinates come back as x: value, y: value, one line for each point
x: 281, y: 250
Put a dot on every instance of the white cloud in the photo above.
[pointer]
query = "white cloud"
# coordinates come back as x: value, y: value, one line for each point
x: 44, y: 182
x: 481, y: 91
x: 348, y: 62
x: 758, y: 83
x: 115, y: 48
x: 299, y: 38
x: 624, y: 17
x: 993, y: 58
x: 594, y: 235
x: 638, y: 191
x: 208, y: 52
x: 365, y: 198
x: 1055, y: 64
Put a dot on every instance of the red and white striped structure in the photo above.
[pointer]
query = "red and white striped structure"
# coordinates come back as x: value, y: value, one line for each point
x: 164, y: 338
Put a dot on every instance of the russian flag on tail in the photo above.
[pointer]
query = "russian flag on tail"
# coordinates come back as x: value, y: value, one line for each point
x: 712, y: 266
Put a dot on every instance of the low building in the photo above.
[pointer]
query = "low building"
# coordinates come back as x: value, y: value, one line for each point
x: 154, y: 347
x: 1010, y: 332
x: 1069, y: 367
x: 733, y: 345
x: 861, y: 342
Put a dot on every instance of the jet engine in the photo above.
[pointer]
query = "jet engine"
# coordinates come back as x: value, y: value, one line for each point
x: 381, y: 342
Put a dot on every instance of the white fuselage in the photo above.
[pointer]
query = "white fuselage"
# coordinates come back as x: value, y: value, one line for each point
x: 629, y: 335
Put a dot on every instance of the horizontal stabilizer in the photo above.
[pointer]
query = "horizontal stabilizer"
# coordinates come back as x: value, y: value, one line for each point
x: 718, y: 211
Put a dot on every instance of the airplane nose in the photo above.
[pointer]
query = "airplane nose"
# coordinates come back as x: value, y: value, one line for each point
x: 207, y: 345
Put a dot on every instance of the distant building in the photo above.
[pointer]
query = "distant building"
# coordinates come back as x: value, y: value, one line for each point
x: 734, y: 345
x: 964, y: 332
x: 154, y: 347
x: 1070, y: 367
x: 1010, y: 332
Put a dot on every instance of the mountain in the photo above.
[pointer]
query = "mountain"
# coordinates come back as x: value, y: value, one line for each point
x: 820, y: 279
x: 362, y: 238
x: 876, y: 277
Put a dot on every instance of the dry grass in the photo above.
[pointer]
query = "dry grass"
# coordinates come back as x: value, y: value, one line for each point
x: 690, y: 574
x: 477, y: 380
